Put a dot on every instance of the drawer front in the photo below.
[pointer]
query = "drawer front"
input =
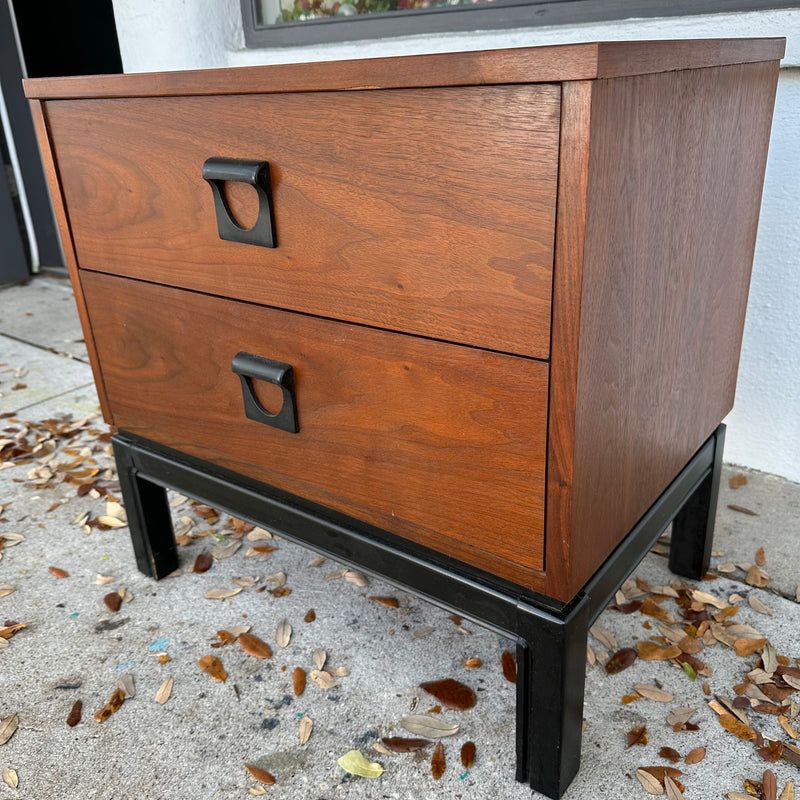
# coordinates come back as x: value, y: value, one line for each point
x: 423, y: 211
x: 441, y: 444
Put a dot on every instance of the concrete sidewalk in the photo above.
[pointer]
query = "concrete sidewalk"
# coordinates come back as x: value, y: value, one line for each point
x: 197, y: 743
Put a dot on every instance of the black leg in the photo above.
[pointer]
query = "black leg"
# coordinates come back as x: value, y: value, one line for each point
x: 149, y: 518
x: 551, y: 663
x: 693, y: 525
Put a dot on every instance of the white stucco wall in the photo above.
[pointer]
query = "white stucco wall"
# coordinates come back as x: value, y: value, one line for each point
x: 764, y: 427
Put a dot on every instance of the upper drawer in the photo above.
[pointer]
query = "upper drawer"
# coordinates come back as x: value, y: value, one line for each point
x: 425, y: 211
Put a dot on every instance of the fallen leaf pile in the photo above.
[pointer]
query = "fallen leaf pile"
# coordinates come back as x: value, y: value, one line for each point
x: 684, y: 623
x: 60, y: 450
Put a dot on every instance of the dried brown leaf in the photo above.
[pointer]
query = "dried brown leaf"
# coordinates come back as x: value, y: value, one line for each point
x: 299, y: 681
x: 116, y: 700
x: 761, y: 557
x: 746, y: 647
x: 788, y: 791
x: 695, y: 756
x: 310, y: 616
x: 318, y: 658
x: 771, y: 752
x: 254, y: 646
x: 221, y: 594
x: 651, y: 784
x: 6, y: 590
x: 653, y: 693
x: 451, y: 693
x: 652, y: 651
x: 757, y: 577
x: 758, y: 605
x: 225, y: 637
x: 468, y: 754
x: 127, y: 684
x: 323, y: 679
x: 260, y: 775
x: 769, y: 785
x: 10, y: 777
x: 357, y: 578
x: 7, y: 727
x: 203, y: 562
x: 258, y: 534
x: 438, y: 761
x: 473, y: 663
x: 399, y: 744
x: 283, y: 633
x: 213, y: 667
x: 277, y: 579
x: 605, y: 637
x: 111, y: 522
x: 621, y: 660
x: 743, y: 510
x: 8, y: 631
x: 509, y: 666
x: 429, y: 727
x: 637, y: 735
x: 659, y: 773
x: 306, y: 726
x: 113, y: 601
x: 164, y: 691
x: 74, y: 716
x: 784, y: 723
x: 673, y: 792
x: 389, y: 602
x: 680, y: 716
x: 736, y: 727
x: 225, y: 550
x: 737, y: 481
x: 56, y: 572
x: 669, y: 753
x: 652, y: 609
x: 769, y: 660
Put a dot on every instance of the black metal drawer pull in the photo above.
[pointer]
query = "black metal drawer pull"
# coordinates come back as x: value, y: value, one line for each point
x: 250, y: 367
x: 256, y: 173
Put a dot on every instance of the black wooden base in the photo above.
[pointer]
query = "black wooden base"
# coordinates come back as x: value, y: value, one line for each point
x: 550, y: 636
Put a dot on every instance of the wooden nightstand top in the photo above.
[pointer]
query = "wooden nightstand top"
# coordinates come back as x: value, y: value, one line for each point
x: 570, y: 62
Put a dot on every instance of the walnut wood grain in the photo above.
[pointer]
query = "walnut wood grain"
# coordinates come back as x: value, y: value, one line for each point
x: 567, y: 282
x: 574, y: 62
x: 428, y: 212
x: 38, y: 112
x: 675, y: 176
x: 444, y: 445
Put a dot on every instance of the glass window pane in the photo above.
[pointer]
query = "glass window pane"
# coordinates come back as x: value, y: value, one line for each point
x: 278, y: 11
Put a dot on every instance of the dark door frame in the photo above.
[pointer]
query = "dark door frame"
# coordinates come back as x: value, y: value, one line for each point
x: 39, y: 228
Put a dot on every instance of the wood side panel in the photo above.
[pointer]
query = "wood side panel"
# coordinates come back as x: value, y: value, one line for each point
x: 39, y: 112
x: 571, y: 62
x: 567, y: 280
x: 444, y: 445
x: 428, y: 212
x: 676, y: 171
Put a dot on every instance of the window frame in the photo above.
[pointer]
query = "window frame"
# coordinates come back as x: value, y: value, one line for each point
x: 497, y: 15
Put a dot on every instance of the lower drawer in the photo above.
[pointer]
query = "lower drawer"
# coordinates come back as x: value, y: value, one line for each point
x: 442, y: 444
